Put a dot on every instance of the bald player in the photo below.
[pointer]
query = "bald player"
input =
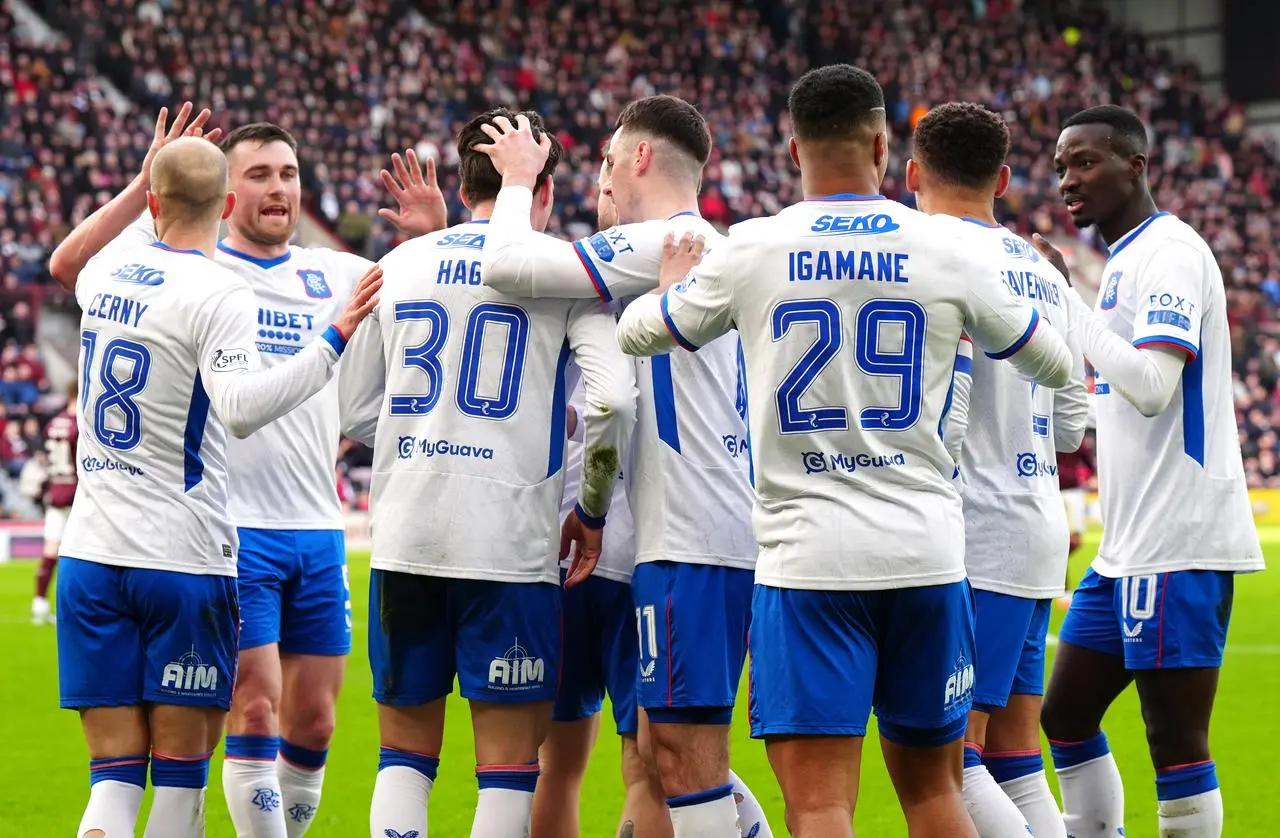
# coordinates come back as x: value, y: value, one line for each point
x: 147, y: 599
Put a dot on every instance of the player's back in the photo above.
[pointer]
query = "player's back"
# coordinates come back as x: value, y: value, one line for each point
x: 152, y: 456
x: 1015, y: 524
x: 60, y: 439
x: 850, y: 310
x: 1172, y: 486
x: 470, y: 446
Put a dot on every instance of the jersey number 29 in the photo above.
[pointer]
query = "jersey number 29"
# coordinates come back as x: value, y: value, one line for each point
x: 122, y: 376
x: 905, y: 364
x: 426, y: 357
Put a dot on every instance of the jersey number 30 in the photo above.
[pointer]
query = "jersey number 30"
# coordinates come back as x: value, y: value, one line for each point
x: 426, y: 357
x: 904, y: 363
x: 122, y: 375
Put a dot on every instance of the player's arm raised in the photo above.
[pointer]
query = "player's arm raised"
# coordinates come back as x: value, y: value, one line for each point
x: 608, y: 418
x: 690, y: 307
x: 1145, y: 372
x: 243, y: 394
x: 362, y: 383
x: 523, y: 262
x: 1009, y: 328
x: 127, y: 211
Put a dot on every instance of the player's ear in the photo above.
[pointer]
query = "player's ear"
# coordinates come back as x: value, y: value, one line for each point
x: 229, y: 205
x: 1137, y: 166
x: 1002, y: 181
x: 882, y: 151
x: 644, y: 156
x: 794, y: 151
x: 913, y: 175
x: 153, y: 204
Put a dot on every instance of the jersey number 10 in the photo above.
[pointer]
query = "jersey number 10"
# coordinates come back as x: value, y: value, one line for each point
x: 122, y: 375
x: 906, y: 364
x: 426, y: 357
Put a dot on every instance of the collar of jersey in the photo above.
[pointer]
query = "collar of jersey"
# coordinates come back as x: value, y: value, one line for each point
x: 265, y: 264
x: 164, y: 246
x: 845, y: 196
x: 685, y: 212
x: 1128, y: 238
x: 980, y: 223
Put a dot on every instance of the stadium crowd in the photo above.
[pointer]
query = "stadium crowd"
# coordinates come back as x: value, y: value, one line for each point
x: 358, y: 80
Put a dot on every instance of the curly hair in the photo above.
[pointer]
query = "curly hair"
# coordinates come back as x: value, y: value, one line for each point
x: 962, y: 143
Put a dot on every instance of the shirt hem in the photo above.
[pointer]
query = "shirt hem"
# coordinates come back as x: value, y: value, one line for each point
x: 696, y: 558
x: 146, y: 564
x: 877, y: 584
x: 1113, y: 570
x: 259, y: 524
x: 1016, y: 590
x: 481, y: 573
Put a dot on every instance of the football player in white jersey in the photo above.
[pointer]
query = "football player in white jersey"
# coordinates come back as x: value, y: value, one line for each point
x: 294, y: 596
x: 468, y: 389
x: 1007, y: 431
x: 689, y: 487
x: 850, y: 307
x: 1178, y: 527
x: 147, y: 602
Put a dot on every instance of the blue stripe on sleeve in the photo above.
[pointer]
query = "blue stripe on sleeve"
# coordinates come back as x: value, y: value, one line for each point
x: 1020, y: 342
x: 335, y: 338
x: 593, y: 273
x: 671, y: 326
x: 1170, y: 340
x: 964, y: 365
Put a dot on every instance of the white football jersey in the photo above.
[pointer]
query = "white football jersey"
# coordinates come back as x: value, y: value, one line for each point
x: 1172, y: 487
x: 618, y: 555
x: 283, y: 477
x: 165, y: 345
x: 1016, y: 536
x: 690, y: 484
x: 470, y: 438
x: 850, y: 310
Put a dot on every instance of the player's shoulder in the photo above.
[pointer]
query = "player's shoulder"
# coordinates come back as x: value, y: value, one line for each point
x: 1161, y: 234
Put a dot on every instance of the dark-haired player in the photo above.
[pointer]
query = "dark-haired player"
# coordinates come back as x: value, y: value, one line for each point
x: 1016, y: 533
x: 850, y: 307
x: 294, y: 597
x: 1155, y: 605
x: 689, y: 482
x: 461, y: 391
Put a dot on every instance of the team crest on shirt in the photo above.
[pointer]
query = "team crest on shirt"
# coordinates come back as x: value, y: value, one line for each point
x: 315, y: 284
x: 1111, y: 293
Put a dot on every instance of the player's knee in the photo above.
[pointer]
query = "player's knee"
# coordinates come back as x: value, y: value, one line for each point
x: 1175, y: 744
x: 312, y: 725
x: 1058, y: 722
x: 254, y: 714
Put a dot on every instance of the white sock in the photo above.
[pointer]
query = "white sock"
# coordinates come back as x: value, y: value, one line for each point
x: 705, y: 814
x: 1034, y: 799
x: 252, y: 789
x: 751, y: 819
x: 299, y: 794
x: 1198, y: 816
x: 399, y: 805
x: 1092, y: 797
x: 993, y: 813
x: 502, y: 813
x: 176, y: 813
x: 113, y: 807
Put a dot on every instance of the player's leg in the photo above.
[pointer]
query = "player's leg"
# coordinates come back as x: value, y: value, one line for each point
x: 1088, y: 674
x: 411, y: 656
x: 100, y: 674
x: 55, y: 520
x: 806, y: 648
x: 1013, y: 753
x: 690, y: 667
x: 1001, y: 623
x: 644, y: 809
x: 315, y: 639
x: 1177, y: 680
x: 189, y: 625
x: 575, y: 717
x: 923, y: 695
x: 509, y: 639
x: 249, y: 780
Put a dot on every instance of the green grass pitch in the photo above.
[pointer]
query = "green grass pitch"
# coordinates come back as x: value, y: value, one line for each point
x: 44, y: 782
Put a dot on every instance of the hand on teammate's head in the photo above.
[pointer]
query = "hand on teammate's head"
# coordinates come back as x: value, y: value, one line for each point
x: 165, y: 134
x: 516, y: 153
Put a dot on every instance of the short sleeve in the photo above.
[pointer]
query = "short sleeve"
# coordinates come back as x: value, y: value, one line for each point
x: 1170, y: 290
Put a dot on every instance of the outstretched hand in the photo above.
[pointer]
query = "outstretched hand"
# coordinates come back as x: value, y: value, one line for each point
x: 362, y: 301
x: 163, y: 136
x: 422, y: 206
x: 679, y: 258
